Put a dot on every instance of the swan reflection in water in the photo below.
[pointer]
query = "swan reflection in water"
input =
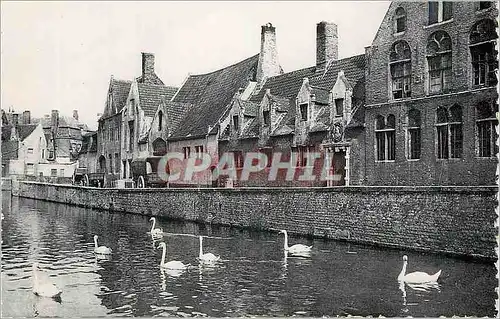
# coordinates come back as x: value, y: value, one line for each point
x: 45, y: 307
x: 423, y: 287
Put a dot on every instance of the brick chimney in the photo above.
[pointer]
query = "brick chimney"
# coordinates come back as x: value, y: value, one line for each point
x: 54, y: 120
x: 326, y: 44
x: 75, y: 114
x: 268, y: 58
x: 26, y: 117
x: 148, y: 67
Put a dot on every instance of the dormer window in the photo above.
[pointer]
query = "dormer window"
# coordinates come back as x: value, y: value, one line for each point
x: 303, y: 111
x: 400, y: 18
x: 339, y: 107
x: 440, y: 11
x: 236, y: 123
x: 267, y: 117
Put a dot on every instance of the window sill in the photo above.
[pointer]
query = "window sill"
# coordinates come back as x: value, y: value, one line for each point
x: 438, y: 24
x: 401, y: 99
x: 486, y: 158
x: 398, y: 34
x: 413, y: 159
x: 385, y: 161
x: 449, y: 159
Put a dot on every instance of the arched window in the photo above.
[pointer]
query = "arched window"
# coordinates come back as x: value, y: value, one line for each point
x: 414, y: 134
x: 400, y: 18
x: 439, y: 61
x: 385, y: 138
x: 160, y: 120
x: 440, y: 11
x: 486, y: 133
x: 482, y: 40
x: 449, y: 132
x: 400, y: 64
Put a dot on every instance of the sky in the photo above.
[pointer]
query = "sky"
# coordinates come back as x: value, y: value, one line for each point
x: 61, y: 55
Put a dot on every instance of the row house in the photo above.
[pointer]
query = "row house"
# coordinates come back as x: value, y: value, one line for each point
x: 208, y: 96
x: 88, y: 158
x: 140, y: 111
x: 123, y: 131
x: 431, y: 95
x: 63, y: 136
x: 109, y: 132
x: 23, y: 146
x: 316, y: 109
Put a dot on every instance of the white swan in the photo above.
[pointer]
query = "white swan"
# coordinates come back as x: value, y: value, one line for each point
x: 155, y: 231
x: 297, y: 248
x: 42, y: 286
x: 173, y: 264
x: 208, y: 257
x: 101, y: 249
x: 417, y: 277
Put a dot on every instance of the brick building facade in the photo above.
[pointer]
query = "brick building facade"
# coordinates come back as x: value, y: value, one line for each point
x: 109, y: 131
x: 431, y: 95
x: 417, y: 108
x: 311, y: 110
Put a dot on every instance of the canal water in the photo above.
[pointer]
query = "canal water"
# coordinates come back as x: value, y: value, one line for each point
x: 254, y: 278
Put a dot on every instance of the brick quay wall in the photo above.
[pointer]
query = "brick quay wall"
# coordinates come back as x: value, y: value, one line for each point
x: 452, y: 220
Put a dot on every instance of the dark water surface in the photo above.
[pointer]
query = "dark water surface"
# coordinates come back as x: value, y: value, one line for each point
x: 254, y: 277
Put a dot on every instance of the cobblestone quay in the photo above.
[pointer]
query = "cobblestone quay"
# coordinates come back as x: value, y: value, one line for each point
x: 453, y: 220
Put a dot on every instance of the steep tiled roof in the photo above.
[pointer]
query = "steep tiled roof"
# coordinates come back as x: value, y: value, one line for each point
x: 6, y: 132
x: 287, y: 123
x: 288, y: 85
x: 283, y: 104
x: 353, y: 67
x: 210, y: 94
x: 251, y: 130
x: 120, y: 90
x: 10, y: 150
x: 150, y: 96
x: 250, y: 108
x: 175, y: 113
x: 154, y: 79
x: 24, y: 130
x: 285, y: 85
x: 321, y: 94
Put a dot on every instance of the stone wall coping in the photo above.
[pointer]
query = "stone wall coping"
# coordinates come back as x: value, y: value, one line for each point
x: 355, y: 189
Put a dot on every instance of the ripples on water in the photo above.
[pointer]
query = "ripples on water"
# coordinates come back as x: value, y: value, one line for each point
x: 253, y: 278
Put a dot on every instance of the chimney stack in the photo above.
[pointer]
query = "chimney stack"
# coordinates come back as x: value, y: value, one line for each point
x: 326, y: 44
x: 148, y: 67
x: 268, y: 58
x: 15, y: 118
x: 75, y: 114
x: 26, y: 117
x: 54, y: 120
